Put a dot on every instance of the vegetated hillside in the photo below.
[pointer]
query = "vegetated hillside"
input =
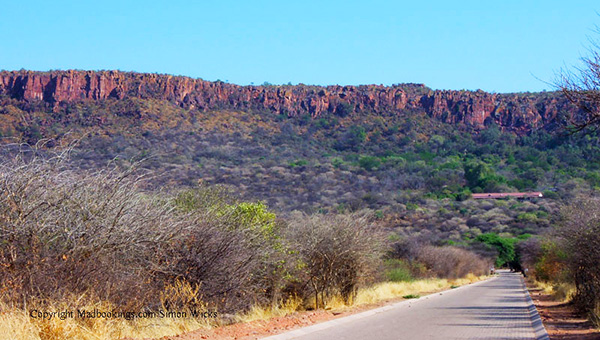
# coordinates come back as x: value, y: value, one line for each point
x: 410, y: 153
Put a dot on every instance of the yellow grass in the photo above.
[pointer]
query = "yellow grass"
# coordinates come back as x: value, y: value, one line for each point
x: 545, y: 287
x: 390, y: 290
x: 258, y: 313
x: 17, y: 324
x: 560, y: 291
x: 564, y: 291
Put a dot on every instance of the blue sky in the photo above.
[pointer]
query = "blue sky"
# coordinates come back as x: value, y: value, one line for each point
x: 499, y: 46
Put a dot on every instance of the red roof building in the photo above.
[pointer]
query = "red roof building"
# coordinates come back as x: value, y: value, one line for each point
x: 496, y: 195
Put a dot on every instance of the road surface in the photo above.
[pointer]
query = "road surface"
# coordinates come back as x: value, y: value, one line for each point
x: 499, y: 308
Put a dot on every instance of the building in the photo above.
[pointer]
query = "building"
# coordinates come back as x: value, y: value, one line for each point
x: 496, y: 195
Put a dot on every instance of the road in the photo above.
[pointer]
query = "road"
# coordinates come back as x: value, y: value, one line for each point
x: 498, y: 308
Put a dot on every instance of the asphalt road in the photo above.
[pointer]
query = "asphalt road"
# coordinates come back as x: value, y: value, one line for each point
x: 499, y: 308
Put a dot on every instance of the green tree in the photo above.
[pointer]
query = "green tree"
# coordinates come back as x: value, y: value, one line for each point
x: 369, y: 162
x: 480, y: 176
x: 505, y: 247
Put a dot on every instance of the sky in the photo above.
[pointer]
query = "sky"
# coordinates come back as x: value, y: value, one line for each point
x: 496, y: 46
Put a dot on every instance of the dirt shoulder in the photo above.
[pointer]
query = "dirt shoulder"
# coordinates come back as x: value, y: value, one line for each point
x: 561, y: 319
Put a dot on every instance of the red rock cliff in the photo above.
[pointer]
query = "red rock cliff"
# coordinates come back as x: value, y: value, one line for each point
x: 517, y: 112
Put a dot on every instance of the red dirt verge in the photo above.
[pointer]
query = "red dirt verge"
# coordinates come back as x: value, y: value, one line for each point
x: 561, y: 319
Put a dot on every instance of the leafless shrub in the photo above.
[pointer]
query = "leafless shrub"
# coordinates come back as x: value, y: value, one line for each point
x: 451, y: 262
x: 529, y: 251
x: 64, y: 232
x: 579, y: 232
x: 582, y: 88
x: 97, y: 233
x: 338, y: 252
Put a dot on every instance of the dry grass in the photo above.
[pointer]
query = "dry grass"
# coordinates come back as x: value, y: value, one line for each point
x: 17, y: 324
x: 391, y: 290
x: 546, y: 287
x: 380, y: 292
x: 560, y: 291
x: 564, y: 291
x: 257, y: 313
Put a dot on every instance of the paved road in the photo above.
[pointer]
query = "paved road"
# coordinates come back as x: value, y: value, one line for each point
x: 498, y: 308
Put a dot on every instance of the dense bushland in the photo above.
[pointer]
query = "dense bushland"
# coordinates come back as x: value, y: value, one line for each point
x: 65, y: 233
x: 415, y: 172
x: 98, y: 234
x: 570, y: 254
x: 413, y: 257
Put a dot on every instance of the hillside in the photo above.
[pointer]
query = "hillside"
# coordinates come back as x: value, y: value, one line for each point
x: 406, y: 151
x: 513, y: 112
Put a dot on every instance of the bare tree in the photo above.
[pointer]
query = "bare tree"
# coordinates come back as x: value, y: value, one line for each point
x: 338, y: 252
x: 100, y: 234
x: 581, y: 86
x: 579, y: 233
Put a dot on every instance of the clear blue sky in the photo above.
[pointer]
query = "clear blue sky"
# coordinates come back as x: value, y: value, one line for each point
x: 499, y: 46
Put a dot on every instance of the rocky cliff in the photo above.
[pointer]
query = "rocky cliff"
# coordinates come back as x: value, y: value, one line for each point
x: 515, y: 112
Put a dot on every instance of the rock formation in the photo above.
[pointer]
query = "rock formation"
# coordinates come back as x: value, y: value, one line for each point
x: 516, y: 112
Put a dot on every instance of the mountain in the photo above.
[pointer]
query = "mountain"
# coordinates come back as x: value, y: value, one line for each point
x: 520, y: 113
x: 409, y: 153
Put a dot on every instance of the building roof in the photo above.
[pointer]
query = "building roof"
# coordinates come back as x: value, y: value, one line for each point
x: 534, y: 194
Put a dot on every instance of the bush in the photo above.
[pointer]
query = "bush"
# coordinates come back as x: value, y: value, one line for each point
x: 337, y: 252
x: 451, y: 262
x: 98, y: 234
x: 65, y: 233
x: 579, y: 234
x: 505, y: 247
x: 369, y: 162
x: 398, y: 271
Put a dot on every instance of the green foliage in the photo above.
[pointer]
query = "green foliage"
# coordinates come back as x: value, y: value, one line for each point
x: 411, y: 206
x: 550, y: 194
x: 337, y: 162
x: 481, y: 177
x: 398, y: 270
x: 504, y: 246
x: 452, y: 163
x: 369, y: 162
x: 352, y: 139
x: 524, y: 236
x: 298, y: 163
x: 527, y: 217
x: 254, y: 216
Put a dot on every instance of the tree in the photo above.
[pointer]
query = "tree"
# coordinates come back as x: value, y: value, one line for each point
x: 579, y: 234
x: 338, y: 252
x: 480, y: 176
x: 369, y: 162
x: 582, y: 88
x: 504, y: 246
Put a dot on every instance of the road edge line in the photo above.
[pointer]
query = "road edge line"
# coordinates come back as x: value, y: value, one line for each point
x: 536, y: 320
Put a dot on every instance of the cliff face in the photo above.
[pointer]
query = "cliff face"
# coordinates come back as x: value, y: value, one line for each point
x: 516, y: 112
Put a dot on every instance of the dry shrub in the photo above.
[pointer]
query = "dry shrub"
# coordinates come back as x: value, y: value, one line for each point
x: 451, y: 262
x: 64, y: 232
x: 579, y: 234
x: 98, y: 234
x: 337, y: 252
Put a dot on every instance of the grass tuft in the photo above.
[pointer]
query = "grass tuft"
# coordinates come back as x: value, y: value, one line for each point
x: 290, y: 306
